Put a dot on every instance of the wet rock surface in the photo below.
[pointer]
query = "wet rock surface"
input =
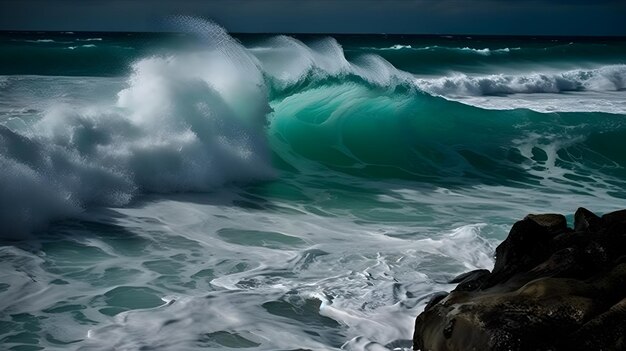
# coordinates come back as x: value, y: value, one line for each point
x: 551, y: 288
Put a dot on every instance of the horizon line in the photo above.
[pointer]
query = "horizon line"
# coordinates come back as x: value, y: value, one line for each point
x: 440, y: 35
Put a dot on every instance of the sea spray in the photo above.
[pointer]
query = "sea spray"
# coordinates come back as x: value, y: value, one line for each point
x: 191, y: 122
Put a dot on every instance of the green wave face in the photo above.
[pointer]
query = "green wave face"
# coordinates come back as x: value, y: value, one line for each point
x: 375, y: 132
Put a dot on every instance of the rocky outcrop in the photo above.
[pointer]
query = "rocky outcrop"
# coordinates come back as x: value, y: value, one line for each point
x: 551, y: 288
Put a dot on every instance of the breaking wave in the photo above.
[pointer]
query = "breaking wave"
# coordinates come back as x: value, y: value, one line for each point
x: 436, y: 48
x: 194, y: 121
x: 186, y: 123
x: 607, y: 78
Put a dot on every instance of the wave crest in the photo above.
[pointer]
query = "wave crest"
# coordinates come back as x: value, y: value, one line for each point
x: 607, y: 78
x: 186, y: 123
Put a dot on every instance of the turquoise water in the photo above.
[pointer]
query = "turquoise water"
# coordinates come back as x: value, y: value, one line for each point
x: 199, y: 191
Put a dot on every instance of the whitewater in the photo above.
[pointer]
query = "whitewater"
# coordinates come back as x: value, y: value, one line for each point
x: 208, y: 191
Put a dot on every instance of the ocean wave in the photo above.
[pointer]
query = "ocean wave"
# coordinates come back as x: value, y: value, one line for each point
x: 395, y: 47
x: 291, y: 63
x: 398, y: 47
x: 372, y: 132
x: 487, y: 51
x: 194, y: 121
x: 607, y: 78
x: 288, y: 62
x: 365, y: 117
x: 40, y: 41
x: 82, y: 46
x: 185, y: 123
x: 190, y: 121
x: 483, y: 52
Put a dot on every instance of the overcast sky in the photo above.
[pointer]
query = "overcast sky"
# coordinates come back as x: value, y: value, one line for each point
x: 525, y: 17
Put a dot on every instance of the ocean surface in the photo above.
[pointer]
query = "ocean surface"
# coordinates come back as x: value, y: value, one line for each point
x: 212, y: 191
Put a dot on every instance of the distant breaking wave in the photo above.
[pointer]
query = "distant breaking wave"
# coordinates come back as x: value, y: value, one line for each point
x: 607, y: 78
x: 40, y: 41
x: 484, y: 51
x: 82, y: 46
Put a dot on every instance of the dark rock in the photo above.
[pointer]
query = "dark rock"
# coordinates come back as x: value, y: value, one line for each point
x: 551, y: 288
x: 585, y: 220
x: 527, y: 245
x: 614, y: 217
x: 604, y: 332
x: 449, y: 328
x: 469, y: 276
x: 435, y: 298
x: 594, y: 256
x: 575, y: 239
x: 471, y: 281
x: 563, y: 264
x: 555, y: 223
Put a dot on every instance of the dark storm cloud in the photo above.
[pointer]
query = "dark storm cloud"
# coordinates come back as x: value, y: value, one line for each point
x: 555, y: 17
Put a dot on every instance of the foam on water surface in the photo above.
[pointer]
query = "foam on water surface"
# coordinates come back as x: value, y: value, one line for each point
x: 194, y: 288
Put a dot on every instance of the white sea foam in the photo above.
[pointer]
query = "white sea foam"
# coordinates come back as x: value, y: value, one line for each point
x: 584, y: 101
x: 398, y: 47
x: 81, y: 46
x: 487, y: 51
x: 372, y: 285
x: 606, y: 78
x: 41, y: 41
x: 483, y: 51
x: 395, y: 47
x: 180, y: 125
x: 588, y: 90
x: 287, y: 61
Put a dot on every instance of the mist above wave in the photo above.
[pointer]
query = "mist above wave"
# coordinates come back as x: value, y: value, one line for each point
x: 184, y: 123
